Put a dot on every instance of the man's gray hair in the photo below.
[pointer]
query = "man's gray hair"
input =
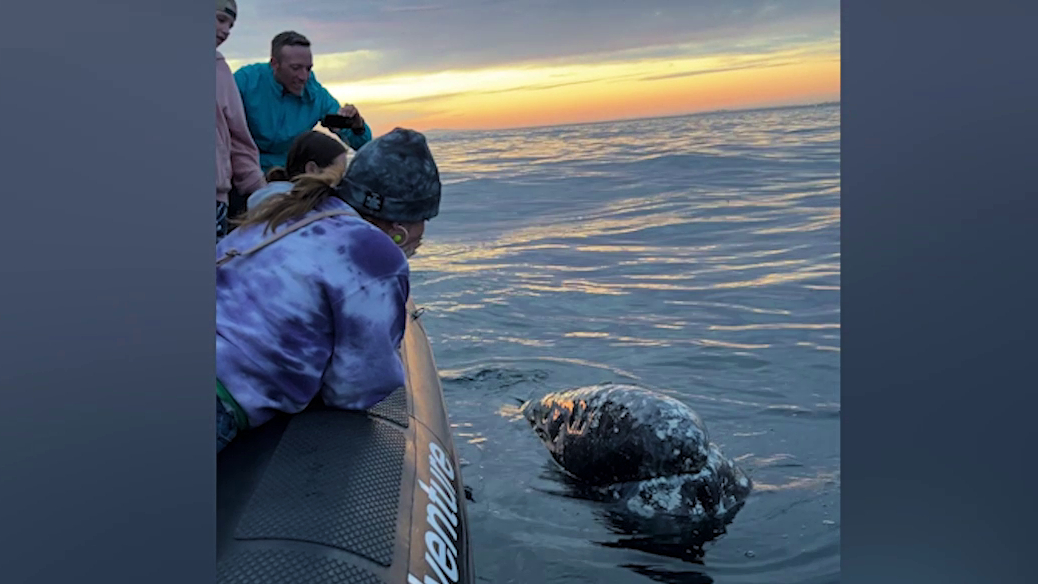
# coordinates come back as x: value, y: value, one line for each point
x: 288, y: 38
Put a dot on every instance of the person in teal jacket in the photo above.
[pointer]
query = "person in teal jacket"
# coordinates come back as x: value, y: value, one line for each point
x: 283, y: 99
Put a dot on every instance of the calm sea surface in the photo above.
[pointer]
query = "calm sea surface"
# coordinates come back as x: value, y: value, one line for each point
x: 696, y: 255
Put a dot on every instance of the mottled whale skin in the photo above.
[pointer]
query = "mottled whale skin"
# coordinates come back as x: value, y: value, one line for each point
x: 646, y: 451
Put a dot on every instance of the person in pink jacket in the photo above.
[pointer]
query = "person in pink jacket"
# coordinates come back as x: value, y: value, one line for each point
x: 237, y: 157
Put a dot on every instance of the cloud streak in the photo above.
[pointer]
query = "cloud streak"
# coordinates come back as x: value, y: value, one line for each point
x: 409, y: 88
x: 425, y: 8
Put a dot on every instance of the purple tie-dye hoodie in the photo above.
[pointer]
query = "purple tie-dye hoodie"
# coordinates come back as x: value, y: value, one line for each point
x: 320, y: 311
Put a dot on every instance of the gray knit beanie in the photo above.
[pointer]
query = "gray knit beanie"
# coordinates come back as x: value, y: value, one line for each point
x: 394, y: 178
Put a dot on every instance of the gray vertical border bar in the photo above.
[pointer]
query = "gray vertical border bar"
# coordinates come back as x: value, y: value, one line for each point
x: 938, y: 289
x: 106, y: 292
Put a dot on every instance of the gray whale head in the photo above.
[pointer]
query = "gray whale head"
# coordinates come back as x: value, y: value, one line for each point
x: 647, y: 454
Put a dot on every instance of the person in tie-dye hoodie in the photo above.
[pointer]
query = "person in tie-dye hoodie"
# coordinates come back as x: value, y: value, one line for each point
x: 321, y: 311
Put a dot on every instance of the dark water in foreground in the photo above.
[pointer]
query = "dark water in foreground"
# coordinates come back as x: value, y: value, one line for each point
x: 696, y: 255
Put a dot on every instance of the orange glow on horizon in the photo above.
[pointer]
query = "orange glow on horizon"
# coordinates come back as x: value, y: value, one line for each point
x: 807, y: 82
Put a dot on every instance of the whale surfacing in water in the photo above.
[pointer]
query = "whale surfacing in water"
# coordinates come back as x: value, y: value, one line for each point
x: 649, y: 452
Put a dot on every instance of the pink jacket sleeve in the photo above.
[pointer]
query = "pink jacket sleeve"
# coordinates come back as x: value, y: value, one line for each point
x: 245, y: 167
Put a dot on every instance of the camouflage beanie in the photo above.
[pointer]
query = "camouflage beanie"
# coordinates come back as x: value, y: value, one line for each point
x: 394, y: 178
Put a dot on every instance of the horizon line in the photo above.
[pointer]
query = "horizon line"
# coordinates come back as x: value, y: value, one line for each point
x: 638, y: 118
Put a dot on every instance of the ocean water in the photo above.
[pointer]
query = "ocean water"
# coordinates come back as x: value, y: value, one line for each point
x: 696, y: 255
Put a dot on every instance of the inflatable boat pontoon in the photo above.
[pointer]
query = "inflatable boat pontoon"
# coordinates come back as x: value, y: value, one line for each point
x: 330, y: 496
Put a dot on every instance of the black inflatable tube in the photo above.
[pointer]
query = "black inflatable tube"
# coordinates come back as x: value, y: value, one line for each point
x: 329, y: 496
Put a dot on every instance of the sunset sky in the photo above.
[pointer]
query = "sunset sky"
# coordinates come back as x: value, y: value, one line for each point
x: 465, y: 64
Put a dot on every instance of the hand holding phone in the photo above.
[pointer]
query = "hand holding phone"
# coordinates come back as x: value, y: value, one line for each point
x: 337, y: 122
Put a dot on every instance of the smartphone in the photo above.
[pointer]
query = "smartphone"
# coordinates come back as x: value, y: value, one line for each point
x: 336, y: 122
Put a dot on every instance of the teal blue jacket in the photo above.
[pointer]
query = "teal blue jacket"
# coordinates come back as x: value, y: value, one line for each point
x: 276, y: 117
